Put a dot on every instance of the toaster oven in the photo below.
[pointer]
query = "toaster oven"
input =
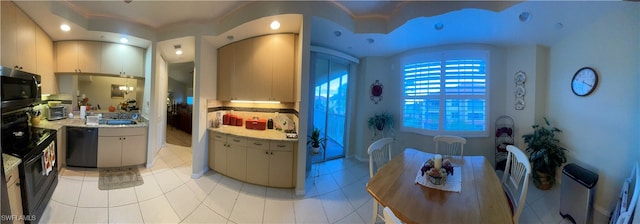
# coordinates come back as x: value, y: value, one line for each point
x: 56, y: 112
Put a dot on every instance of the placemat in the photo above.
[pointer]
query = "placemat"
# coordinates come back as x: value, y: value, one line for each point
x: 454, y: 182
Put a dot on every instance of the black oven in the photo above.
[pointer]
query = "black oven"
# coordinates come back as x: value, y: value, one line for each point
x: 38, y: 170
x: 19, y: 88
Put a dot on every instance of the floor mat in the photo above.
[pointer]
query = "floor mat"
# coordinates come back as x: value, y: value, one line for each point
x: 119, y: 177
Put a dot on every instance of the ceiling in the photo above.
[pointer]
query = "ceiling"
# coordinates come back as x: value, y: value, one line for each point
x: 405, y: 24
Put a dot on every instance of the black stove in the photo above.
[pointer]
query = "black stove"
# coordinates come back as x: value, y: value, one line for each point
x: 20, y: 143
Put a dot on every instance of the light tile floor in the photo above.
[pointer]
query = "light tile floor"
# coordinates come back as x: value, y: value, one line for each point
x: 336, y: 195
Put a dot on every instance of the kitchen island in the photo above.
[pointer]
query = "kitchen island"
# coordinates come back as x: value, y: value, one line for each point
x: 263, y: 157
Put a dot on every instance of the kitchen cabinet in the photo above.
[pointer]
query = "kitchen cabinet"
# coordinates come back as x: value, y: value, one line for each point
x: 18, y: 38
x: 229, y: 155
x: 78, y: 56
x: 45, y: 65
x: 122, y: 59
x: 257, y: 161
x: 122, y: 146
x: 265, y: 64
x: 226, y: 69
x: 13, y: 191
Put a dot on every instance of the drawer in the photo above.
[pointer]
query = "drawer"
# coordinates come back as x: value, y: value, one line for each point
x: 234, y: 141
x: 121, y: 131
x: 258, y: 144
x: 281, y: 146
x: 13, y: 176
x: 217, y: 136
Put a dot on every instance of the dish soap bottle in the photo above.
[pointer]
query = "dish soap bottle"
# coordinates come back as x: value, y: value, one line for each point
x: 270, y: 123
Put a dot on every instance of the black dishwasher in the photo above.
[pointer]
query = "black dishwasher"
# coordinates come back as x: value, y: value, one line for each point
x: 82, y: 147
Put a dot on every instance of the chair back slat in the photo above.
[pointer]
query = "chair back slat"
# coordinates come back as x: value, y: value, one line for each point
x: 451, y: 146
x: 515, y: 179
x: 379, y: 154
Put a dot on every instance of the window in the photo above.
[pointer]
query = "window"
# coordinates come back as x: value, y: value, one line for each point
x: 446, y: 96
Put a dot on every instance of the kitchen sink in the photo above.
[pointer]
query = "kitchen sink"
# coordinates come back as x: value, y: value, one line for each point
x: 117, y: 122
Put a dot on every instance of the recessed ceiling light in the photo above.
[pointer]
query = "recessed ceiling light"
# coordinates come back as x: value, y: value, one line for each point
x: 275, y: 25
x: 559, y: 26
x: 438, y: 26
x: 524, y: 16
x: 370, y: 40
x: 124, y: 40
x: 65, y: 27
x: 178, y: 48
x: 230, y: 37
x: 337, y: 33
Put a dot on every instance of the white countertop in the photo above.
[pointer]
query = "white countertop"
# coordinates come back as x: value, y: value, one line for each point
x: 77, y: 122
x: 269, y: 134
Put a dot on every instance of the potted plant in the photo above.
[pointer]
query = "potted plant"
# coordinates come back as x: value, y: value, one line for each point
x: 380, y: 121
x: 315, y: 140
x: 545, y: 154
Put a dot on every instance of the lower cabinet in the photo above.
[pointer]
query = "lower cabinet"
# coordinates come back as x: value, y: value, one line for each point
x: 122, y: 147
x: 13, y: 191
x: 262, y: 162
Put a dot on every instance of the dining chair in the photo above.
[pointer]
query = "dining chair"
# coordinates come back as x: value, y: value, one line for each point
x: 450, y: 145
x: 389, y: 217
x: 625, y: 206
x: 515, y: 179
x: 379, y: 154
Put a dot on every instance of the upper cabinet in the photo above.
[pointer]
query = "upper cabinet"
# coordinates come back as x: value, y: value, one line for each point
x: 78, y: 56
x: 44, y: 57
x: 99, y: 57
x: 122, y: 59
x: 260, y: 68
x: 18, y: 38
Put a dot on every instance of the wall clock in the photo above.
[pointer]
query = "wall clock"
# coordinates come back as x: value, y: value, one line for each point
x: 584, y: 82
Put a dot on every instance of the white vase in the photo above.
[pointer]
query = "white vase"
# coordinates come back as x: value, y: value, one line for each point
x: 315, y: 150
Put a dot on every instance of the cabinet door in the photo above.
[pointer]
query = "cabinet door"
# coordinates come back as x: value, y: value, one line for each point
x: 89, y: 56
x: 263, y: 67
x: 15, y: 197
x: 66, y: 56
x: 8, y: 34
x: 134, y: 150
x: 220, y: 157
x: 258, y: 162
x: 225, y: 72
x: 109, y: 151
x: 283, y: 67
x: 44, y: 57
x: 111, y: 60
x: 26, y: 42
x: 132, y: 61
x: 237, y: 158
x: 242, y: 78
x: 281, y: 169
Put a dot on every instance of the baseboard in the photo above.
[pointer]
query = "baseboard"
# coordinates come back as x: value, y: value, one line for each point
x: 199, y: 174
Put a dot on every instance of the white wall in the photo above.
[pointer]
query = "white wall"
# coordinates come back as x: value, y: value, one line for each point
x: 601, y: 131
x: 205, y: 76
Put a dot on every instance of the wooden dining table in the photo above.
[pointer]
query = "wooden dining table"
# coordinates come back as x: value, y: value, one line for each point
x: 481, y: 199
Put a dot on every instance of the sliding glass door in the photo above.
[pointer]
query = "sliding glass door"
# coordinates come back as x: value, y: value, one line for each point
x: 331, y: 76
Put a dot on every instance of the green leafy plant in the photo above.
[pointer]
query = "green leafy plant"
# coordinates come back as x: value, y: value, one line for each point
x: 380, y: 121
x: 546, y: 154
x: 315, y: 140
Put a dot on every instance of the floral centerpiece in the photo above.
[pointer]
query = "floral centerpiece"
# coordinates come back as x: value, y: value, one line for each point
x: 436, y: 175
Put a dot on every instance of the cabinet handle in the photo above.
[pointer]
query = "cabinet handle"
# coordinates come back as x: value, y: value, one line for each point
x: 281, y: 146
x: 271, y: 153
x: 79, y: 70
x: 17, y: 184
x: 236, y: 140
x: 9, y: 180
x: 265, y: 152
x: 256, y: 143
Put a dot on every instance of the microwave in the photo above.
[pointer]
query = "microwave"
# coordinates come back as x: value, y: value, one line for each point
x: 56, y: 112
x: 19, y: 89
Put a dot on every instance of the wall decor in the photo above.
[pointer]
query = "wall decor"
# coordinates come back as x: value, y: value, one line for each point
x: 584, y: 82
x: 116, y: 92
x: 520, y: 78
x: 376, y: 91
